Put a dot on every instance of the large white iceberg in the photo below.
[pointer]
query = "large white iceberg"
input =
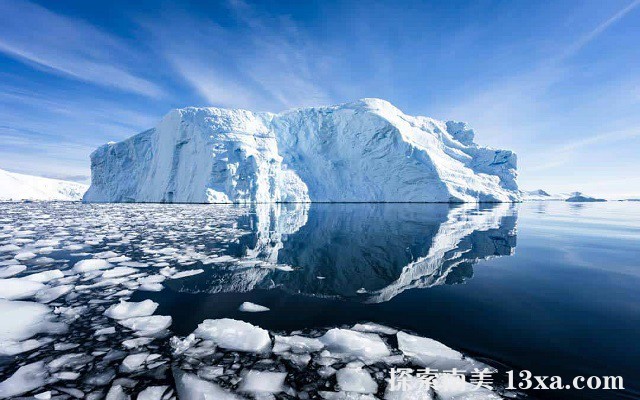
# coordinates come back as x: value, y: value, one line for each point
x: 16, y: 187
x: 363, y: 151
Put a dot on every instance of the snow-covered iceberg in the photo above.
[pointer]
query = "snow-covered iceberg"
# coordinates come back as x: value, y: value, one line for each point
x: 578, y: 197
x: 363, y: 151
x: 17, y: 187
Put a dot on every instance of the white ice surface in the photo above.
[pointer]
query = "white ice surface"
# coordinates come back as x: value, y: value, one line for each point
x: 235, y: 335
x: 190, y: 387
x: 147, y: 326
x: 345, y: 342
x: 91, y: 265
x: 152, y: 393
x: 25, y: 379
x: 262, y: 382
x: 130, y: 309
x: 356, y: 380
x: 17, y: 187
x: 19, y: 288
x: 252, y: 307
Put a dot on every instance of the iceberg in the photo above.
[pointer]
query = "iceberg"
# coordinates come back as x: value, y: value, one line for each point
x: 18, y: 187
x: 363, y: 151
x: 578, y: 197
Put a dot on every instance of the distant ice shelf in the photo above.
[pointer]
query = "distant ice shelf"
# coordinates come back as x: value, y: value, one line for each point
x: 575, y: 197
x: 364, y: 151
x: 18, y: 187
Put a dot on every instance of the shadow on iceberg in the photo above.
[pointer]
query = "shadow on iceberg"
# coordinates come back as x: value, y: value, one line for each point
x: 360, y: 252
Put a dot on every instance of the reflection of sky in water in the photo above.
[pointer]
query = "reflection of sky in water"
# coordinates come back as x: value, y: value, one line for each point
x: 563, y: 301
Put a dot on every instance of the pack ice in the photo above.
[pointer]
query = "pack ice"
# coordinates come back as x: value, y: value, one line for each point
x: 363, y: 151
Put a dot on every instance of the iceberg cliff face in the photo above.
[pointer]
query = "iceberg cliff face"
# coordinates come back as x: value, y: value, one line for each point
x: 356, y: 152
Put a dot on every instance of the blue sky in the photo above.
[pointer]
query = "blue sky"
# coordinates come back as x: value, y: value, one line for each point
x: 556, y: 81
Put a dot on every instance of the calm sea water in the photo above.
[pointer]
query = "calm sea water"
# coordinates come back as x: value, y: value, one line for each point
x: 549, y: 287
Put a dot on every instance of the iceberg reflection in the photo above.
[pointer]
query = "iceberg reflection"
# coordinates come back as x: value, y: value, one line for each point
x: 361, y: 252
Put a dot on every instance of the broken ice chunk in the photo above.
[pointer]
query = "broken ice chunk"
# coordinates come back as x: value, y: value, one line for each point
x: 45, y: 276
x: 235, y: 335
x: 19, y: 288
x: 433, y: 354
x: 91, y: 265
x: 126, y: 309
x: 356, y: 380
x: 252, y: 307
x: 190, y: 387
x: 116, y: 392
x: 263, y: 382
x: 105, y: 331
x: 184, y: 274
x: 118, y: 272
x: 133, y: 362
x: 25, y: 255
x: 345, y: 342
x: 20, y: 320
x: 48, y: 295
x: 147, y: 326
x: 11, y: 270
x: 152, y: 393
x: 27, y: 378
x: 297, y: 344
x: 135, y: 343
x: 371, y: 327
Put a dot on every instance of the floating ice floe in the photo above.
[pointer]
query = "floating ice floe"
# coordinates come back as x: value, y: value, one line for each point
x: 49, y: 294
x: 252, y: 307
x: 297, y: 344
x: 147, y: 326
x: 345, y: 342
x: 91, y: 265
x: 235, y: 335
x: 433, y: 354
x: 355, y: 379
x: 11, y: 270
x: 27, y: 378
x: 190, y: 387
x: 262, y: 382
x: 118, y: 272
x: 25, y: 255
x: 19, y: 288
x: 126, y: 309
x: 184, y: 274
x: 45, y: 276
x: 370, y: 327
x: 155, y: 393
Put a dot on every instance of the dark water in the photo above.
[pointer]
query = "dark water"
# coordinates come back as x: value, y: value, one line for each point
x: 549, y: 287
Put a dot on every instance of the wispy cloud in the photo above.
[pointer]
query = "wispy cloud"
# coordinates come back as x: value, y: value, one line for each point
x: 67, y: 46
x: 264, y: 63
x: 599, y: 30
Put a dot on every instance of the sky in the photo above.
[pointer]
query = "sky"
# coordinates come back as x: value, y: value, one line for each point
x: 558, y: 82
